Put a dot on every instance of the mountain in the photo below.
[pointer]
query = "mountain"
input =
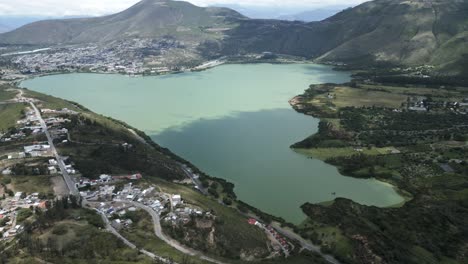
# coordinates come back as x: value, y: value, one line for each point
x: 407, y: 32
x: 400, y: 32
x: 313, y: 15
x: 146, y: 19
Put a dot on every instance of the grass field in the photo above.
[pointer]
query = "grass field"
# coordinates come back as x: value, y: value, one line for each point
x: 452, y: 93
x: 6, y: 95
x: 9, y: 114
x: 50, y: 101
x: 329, y: 235
x: 326, y: 153
x: 30, y: 184
x: 368, y: 95
x: 347, y: 96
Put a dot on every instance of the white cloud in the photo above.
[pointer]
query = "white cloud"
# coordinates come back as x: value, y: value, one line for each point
x: 101, y: 7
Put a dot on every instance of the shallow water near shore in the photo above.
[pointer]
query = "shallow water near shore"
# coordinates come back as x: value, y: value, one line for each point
x: 233, y: 122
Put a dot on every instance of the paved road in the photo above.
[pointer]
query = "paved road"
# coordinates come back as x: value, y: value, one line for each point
x: 112, y: 230
x: 304, y: 243
x: 195, y: 181
x: 156, y: 219
x: 158, y: 232
x: 68, y: 181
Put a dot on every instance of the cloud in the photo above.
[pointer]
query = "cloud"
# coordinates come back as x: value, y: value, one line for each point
x: 101, y: 7
x: 62, y: 7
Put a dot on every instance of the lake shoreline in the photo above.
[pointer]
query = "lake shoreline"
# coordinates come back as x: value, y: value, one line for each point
x: 228, y: 61
x: 296, y: 79
x: 294, y: 102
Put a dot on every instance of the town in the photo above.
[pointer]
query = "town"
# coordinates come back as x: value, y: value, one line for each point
x: 132, y: 56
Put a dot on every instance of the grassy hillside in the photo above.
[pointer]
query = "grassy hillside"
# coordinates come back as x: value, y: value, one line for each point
x: 395, y: 32
x: 146, y: 19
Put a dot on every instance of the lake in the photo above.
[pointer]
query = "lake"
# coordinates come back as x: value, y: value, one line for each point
x: 233, y: 122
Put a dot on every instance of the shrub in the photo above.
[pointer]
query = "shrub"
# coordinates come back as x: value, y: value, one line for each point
x: 60, y: 230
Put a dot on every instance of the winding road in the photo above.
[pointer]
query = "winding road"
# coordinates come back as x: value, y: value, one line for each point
x: 158, y: 232
x: 130, y: 244
x: 156, y: 219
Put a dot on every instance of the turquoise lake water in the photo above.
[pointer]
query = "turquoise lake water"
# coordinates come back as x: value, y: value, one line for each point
x: 233, y: 122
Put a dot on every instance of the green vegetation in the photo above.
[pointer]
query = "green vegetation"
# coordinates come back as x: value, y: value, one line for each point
x: 98, y: 148
x: 327, y: 153
x: 59, y: 235
x: 50, y: 102
x: 141, y: 233
x: 6, y: 94
x: 101, y: 145
x: 31, y: 184
x: 423, y: 153
x: 23, y: 214
x: 232, y: 234
x: 9, y: 114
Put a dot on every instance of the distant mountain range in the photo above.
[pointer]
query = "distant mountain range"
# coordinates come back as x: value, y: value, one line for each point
x: 313, y: 15
x: 8, y: 23
x: 287, y: 13
x: 393, y: 31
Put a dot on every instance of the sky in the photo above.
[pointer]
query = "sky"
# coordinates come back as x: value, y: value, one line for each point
x: 61, y: 8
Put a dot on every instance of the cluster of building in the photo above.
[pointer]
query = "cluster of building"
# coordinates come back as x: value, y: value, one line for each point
x: 285, y: 246
x: 37, y: 150
x: 28, y: 125
x: 118, y: 213
x: 125, y: 56
x: 9, y: 208
x: 156, y: 200
x: 63, y: 111
x: 171, y: 206
x: 422, y: 104
x: 281, y: 242
x: 182, y: 214
x: 105, y: 180
x: 9, y: 137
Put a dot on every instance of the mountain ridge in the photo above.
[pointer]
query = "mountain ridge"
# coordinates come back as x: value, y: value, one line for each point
x: 148, y: 18
x: 398, y: 32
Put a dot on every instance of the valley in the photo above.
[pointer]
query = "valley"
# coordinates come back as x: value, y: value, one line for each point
x: 243, y: 115
x: 163, y: 134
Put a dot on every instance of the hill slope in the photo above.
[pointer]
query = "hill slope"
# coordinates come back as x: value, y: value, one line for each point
x: 406, y: 32
x: 409, y: 32
x: 148, y: 18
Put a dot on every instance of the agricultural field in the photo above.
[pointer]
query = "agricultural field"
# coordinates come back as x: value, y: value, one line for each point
x: 342, y: 96
x: 326, y: 153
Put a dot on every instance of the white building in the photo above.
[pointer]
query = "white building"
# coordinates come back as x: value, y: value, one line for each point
x: 176, y: 199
